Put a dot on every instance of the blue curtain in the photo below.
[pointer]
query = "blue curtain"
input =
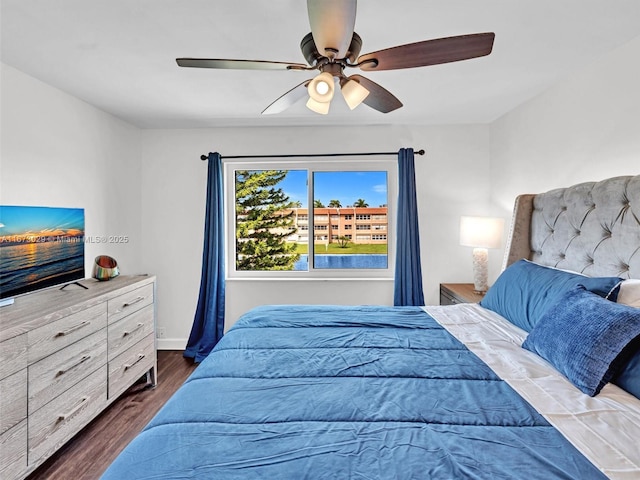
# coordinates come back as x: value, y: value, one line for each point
x: 408, y: 276
x: 208, y: 324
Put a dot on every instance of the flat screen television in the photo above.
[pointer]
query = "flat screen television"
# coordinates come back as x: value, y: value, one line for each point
x: 39, y: 247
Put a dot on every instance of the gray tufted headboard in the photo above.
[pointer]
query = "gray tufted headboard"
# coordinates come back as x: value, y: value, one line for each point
x: 592, y: 228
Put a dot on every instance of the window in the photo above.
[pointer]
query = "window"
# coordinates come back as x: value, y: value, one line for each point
x: 268, y: 218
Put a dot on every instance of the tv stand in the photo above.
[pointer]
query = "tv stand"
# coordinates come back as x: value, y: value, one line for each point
x: 74, y: 283
x: 6, y: 301
x: 65, y: 356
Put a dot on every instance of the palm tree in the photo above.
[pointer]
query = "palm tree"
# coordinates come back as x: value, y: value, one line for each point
x: 360, y: 203
x: 334, y: 204
x: 317, y: 204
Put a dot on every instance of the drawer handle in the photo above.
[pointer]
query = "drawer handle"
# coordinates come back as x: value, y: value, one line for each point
x: 64, y: 416
x: 127, y: 366
x: 138, y: 327
x: 72, y: 329
x: 132, y: 302
x: 71, y: 367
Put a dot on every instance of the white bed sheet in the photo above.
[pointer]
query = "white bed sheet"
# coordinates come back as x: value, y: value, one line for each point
x: 605, y: 428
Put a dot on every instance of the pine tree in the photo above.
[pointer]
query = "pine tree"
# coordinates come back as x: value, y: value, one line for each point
x: 264, y: 219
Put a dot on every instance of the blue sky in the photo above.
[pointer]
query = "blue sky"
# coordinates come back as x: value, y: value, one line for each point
x: 344, y: 186
x: 18, y: 220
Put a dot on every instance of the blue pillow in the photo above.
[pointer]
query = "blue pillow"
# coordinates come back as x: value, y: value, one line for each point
x: 525, y: 290
x: 585, y: 337
x: 629, y: 377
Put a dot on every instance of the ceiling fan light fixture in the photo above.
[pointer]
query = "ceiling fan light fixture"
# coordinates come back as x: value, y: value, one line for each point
x: 321, y: 88
x: 318, y: 107
x: 354, y: 93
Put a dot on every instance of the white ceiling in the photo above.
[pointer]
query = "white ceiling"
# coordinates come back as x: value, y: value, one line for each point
x: 119, y: 55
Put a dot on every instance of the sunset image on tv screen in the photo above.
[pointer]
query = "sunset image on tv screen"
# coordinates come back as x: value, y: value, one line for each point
x: 39, y: 247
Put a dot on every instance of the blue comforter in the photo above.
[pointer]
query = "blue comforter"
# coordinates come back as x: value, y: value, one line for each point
x: 316, y: 392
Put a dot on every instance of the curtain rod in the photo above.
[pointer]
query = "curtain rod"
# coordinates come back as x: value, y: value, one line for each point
x: 312, y: 155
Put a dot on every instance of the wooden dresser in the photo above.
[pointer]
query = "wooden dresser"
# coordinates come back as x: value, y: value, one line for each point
x: 65, y: 355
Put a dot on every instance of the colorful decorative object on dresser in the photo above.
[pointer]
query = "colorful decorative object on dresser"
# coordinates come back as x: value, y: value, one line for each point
x: 105, y: 268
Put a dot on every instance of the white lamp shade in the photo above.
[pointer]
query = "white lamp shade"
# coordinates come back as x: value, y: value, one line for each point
x: 321, y: 88
x: 483, y: 232
x: 318, y: 107
x: 354, y: 93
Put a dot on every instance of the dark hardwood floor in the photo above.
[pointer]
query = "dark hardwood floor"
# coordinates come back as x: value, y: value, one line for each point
x: 90, y: 452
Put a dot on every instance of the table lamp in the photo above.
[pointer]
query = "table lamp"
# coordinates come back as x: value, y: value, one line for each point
x: 481, y: 233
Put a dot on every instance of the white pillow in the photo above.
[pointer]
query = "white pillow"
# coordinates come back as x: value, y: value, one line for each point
x: 630, y: 293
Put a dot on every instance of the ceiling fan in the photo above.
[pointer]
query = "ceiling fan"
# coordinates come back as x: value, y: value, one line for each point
x: 333, y: 46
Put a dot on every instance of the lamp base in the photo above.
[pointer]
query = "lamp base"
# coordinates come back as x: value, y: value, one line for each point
x: 480, y: 270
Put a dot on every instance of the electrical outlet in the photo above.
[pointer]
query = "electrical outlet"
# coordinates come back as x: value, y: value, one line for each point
x: 162, y: 332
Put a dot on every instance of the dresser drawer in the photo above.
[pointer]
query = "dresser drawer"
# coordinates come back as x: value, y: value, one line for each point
x: 56, y: 335
x: 13, y: 355
x: 13, y: 400
x: 130, y: 330
x: 127, y: 367
x: 13, y: 452
x: 51, y: 426
x: 51, y: 376
x: 127, y: 303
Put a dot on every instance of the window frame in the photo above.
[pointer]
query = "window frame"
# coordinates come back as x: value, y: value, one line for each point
x: 328, y: 164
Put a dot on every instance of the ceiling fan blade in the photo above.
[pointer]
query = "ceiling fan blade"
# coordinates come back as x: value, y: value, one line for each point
x: 429, y: 52
x: 332, y: 23
x: 238, y: 64
x: 294, y: 95
x: 379, y: 98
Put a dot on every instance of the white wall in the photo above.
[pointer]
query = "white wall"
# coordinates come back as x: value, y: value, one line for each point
x: 585, y: 128
x: 453, y: 180
x: 59, y: 151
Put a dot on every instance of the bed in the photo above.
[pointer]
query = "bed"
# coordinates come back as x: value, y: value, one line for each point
x: 438, y: 392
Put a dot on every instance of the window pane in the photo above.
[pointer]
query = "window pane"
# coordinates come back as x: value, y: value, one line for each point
x: 342, y: 200
x: 267, y: 205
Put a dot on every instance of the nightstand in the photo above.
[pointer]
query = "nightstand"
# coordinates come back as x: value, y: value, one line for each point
x: 455, y: 293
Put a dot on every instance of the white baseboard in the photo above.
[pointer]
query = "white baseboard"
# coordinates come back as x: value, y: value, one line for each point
x: 172, y: 343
